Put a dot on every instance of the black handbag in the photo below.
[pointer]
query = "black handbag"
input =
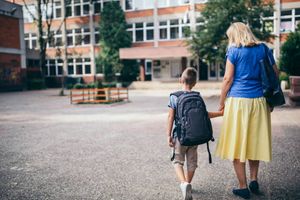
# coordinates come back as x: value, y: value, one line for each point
x: 270, y: 82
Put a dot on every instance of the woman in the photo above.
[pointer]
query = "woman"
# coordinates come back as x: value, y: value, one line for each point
x: 246, y: 129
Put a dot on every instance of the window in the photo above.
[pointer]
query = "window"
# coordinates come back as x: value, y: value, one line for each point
x: 149, y: 31
x: 30, y: 40
x: 138, y: 4
x: 58, y: 39
x: 57, y: 9
x: 139, y: 32
x: 173, y: 2
x: 174, y: 31
x: 52, y: 67
x: 70, y: 41
x: 86, y: 36
x: 70, y: 67
x: 86, y: 7
x: 128, y: 4
x: 33, y: 41
x: 163, y: 30
x: 286, y: 12
x: 148, y: 67
x: 97, y: 36
x: 97, y: 7
x: 199, y: 24
x: 269, y: 25
x: 162, y: 4
x: 59, y: 64
x: 69, y: 8
x: 27, y: 41
x: 130, y: 31
x: 286, y: 25
x: 27, y: 13
x: 87, y: 65
x: 78, y: 36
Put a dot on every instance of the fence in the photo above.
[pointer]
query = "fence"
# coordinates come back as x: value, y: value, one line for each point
x: 104, y: 95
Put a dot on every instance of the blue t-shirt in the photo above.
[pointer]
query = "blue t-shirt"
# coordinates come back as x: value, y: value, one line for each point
x: 247, y: 70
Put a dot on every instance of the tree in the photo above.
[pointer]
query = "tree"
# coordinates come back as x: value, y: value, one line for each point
x: 290, y: 54
x: 43, y: 17
x: 210, y: 41
x: 113, y: 36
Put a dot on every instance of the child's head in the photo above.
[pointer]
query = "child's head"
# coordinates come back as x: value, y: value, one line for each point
x: 189, y: 76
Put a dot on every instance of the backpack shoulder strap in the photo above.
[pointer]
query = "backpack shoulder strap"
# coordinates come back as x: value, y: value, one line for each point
x: 177, y: 94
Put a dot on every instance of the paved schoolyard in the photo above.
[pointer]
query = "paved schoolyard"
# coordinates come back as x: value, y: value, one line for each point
x: 50, y: 149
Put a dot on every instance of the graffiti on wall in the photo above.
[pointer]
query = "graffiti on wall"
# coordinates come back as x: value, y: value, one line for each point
x: 10, y: 73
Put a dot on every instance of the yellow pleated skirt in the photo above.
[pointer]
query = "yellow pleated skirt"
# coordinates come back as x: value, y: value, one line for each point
x: 246, y: 130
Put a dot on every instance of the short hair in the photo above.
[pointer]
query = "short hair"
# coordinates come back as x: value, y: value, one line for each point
x: 239, y: 34
x: 189, y: 76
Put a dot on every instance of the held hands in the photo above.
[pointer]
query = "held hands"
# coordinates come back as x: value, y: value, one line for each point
x: 170, y: 141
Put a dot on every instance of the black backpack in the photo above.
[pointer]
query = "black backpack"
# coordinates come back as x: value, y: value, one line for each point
x: 192, y: 124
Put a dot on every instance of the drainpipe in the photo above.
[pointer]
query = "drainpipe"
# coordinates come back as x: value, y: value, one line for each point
x: 155, y: 18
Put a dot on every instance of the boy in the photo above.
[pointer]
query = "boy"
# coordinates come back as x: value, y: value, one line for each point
x: 188, y: 80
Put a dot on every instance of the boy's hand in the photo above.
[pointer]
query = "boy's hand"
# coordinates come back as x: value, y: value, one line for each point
x: 170, y: 141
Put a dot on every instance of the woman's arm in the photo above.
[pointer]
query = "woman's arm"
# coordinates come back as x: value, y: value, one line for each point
x: 226, y: 84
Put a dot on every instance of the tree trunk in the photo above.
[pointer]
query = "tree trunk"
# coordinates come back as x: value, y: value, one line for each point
x: 42, y: 49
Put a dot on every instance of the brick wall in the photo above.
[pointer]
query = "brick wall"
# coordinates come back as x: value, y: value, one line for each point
x: 9, y: 32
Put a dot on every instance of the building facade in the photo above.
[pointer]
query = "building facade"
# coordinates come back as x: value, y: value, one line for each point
x: 12, y: 47
x: 159, y: 33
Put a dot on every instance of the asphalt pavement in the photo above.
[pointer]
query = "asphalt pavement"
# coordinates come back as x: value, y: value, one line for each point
x: 50, y: 149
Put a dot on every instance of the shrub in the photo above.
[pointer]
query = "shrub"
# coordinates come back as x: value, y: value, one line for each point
x: 35, y: 84
x: 79, y: 86
x: 98, y: 84
x: 109, y: 85
x: 290, y: 54
x: 90, y: 85
x: 283, y: 76
x: 70, y: 86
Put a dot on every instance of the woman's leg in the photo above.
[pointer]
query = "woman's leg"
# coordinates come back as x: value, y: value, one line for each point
x: 240, y: 171
x: 254, y: 165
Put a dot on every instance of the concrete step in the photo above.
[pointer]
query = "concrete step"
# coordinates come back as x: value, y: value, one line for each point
x: 150, y: 85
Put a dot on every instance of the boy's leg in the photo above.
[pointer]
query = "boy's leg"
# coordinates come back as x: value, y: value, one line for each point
x: 180, y: 172
x: 192, y: 159
x: 179, y: 160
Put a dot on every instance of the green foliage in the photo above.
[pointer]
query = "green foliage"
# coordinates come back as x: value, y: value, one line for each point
x: 35, y: 84
x: 290, y: 54
x: 283, y: 76
x: 210, y: 41
x: 113, y: 36
x: 130, y: 71
x: 79, y: 86
x: 98, y: 84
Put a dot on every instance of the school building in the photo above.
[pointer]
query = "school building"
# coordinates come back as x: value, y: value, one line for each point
x: 158, y: 29
x: 12, y: 47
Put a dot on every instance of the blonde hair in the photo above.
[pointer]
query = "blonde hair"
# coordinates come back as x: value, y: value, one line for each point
x: 239, y: 34
x: 189, y: 76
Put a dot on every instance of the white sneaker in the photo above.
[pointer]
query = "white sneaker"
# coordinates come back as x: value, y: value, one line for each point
x: 186, y: 189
